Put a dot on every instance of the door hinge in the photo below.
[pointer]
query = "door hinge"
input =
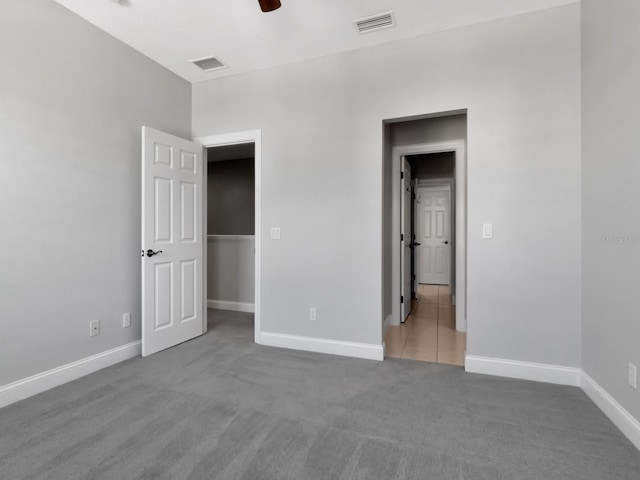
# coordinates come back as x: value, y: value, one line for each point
x: 401, y: 299
x: 401, y: 237
x: 414, y: 278
x: 401, y: 175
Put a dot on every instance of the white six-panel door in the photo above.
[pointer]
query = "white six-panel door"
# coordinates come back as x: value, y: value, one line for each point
x: 172, y: 203
x: 405, y: 243
x: 433, y: 235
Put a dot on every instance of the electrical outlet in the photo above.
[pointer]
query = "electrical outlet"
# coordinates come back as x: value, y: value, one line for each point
x: 94, y: 328
x: 126, y: 320
x: 312, y: 314
x: 632, y: 375
x: 275, y: 233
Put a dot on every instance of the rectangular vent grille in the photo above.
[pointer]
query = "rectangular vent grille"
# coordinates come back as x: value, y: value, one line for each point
x: 209, y: 64
x: 375, y: 22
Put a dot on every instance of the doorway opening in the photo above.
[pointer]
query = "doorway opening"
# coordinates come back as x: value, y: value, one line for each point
x: 232, y: 219
x: 428, y: 331
x: 425, y: 239
x: 230, y: 185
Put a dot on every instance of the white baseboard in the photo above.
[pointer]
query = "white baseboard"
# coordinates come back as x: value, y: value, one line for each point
x: 538, y: 372
x: 621, y: 418
x: 321, y: 345
x: 235, y: 306
x: 27, y: 387
x: 627, y: 424
x: 575, y: 377
x: 386, y: 324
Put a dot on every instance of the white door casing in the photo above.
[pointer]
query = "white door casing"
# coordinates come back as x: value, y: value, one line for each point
x: 433, y: 227
x: 397, y: 152
x: 172, y: 211
x: 406, y: 240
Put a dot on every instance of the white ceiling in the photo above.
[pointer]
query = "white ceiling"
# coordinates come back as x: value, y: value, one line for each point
x: 173, y: 32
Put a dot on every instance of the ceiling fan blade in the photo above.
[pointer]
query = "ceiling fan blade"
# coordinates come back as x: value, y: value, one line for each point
x: 269, y: 5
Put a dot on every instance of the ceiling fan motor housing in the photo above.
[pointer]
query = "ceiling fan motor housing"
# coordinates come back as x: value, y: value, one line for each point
x: 269, y: 5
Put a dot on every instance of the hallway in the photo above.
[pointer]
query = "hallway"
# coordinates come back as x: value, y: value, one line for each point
x: 429, y: 334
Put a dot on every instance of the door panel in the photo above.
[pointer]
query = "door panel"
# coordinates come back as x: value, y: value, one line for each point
x: 434, y: 252
x: 188, y: 214
x: 162, y: 209
x: 172, y: 213
x: 405, y: 230
x: 163, y: 279
x: 188, y: 296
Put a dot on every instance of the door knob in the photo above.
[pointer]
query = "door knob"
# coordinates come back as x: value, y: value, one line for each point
x: 151, y: 253
x: 446, y: 242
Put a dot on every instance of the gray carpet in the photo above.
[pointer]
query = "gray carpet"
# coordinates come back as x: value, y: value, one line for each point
x: 221, y: 407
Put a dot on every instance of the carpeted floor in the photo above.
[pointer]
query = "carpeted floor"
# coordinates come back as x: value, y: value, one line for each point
x: 221, y: 407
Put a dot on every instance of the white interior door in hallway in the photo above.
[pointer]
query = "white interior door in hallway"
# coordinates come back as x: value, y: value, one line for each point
x: 433, y: 233
x: 405, y: 242
x: 172, y: 240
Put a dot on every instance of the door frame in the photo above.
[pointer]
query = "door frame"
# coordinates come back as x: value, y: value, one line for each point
x: 436, y: 185
x: 459, y: 147
x: 235, y: 138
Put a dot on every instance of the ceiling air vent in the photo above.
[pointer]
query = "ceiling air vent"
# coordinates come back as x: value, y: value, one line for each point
x: 375, y: 22
x: 209, y: 64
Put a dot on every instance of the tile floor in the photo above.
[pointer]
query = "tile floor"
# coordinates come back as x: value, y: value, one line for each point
x: 429, y: 334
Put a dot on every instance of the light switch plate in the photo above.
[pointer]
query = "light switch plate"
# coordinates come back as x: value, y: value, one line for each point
x: 275, y: 233
x: 487, y: 230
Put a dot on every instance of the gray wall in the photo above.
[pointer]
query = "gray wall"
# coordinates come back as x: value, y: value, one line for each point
x: 322, y: 178
x: 231, y: 218
x: 231, y: 269
x: 386, y: 240
x: 231, y: 197
x: 72, y: 101
x: 610, y: 195
x: 429, y: 130
x: 433, y: 165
